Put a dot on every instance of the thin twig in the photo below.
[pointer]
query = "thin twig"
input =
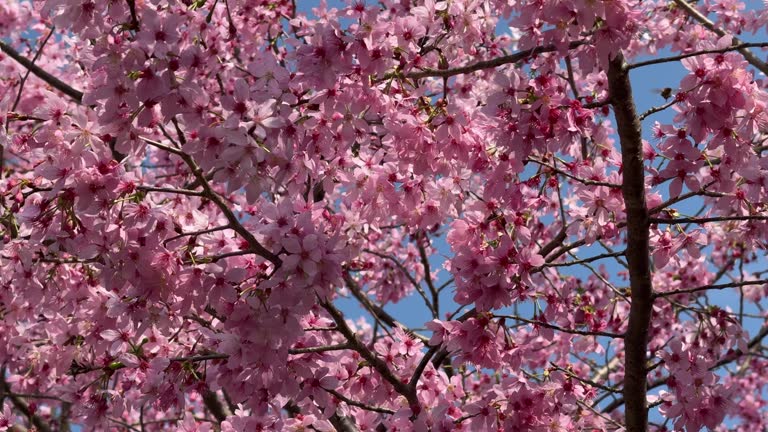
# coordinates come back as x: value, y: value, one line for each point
x: 354, y: 403
x: 486, y: 64
x: 696, y: 53
x: 54, y: 82
x: 656, y: 109
x: 711, y: 287
x: 561, y: 329
x: 208, y: 192
x: 26, y: 75
x: 318, y: 349
x: 703, y: 220
x: 698, y: 16
x: 170, y: 190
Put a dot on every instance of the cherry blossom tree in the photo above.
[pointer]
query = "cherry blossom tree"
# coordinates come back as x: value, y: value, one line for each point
x: 192, y: 190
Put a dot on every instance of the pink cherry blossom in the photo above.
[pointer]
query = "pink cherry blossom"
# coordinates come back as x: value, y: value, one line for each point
x: 416, y: 215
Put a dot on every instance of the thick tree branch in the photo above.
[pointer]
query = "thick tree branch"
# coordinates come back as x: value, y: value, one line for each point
x: 214, y: 405
x: 134, y: 25
x: 633, y: 189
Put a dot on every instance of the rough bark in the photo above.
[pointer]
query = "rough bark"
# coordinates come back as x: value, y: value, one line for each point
x: 638, y: 258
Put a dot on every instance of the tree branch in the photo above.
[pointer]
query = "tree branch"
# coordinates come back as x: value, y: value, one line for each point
x: 209, y: 193
x: 586, y: 182
x: 638, y: 244
x: 486, y: 64
x: 375, y: 309
x: 585, y: 260
x: 696, y: 53
x: 26, y: 75
x: 51, y: 80
x: 318, y: 349
x: 710, y: 287
x: 134, y: 19
x: 703, y: 220
x: 408, y: 276
x: 342, y: 423
x: 561, y: 329
x: 22, y: 406
x: 357, y: 404
x: 656, y: 109
x: 214, y: 405
x: 421, y: 240
x: 170, y: 190
x: 746, y: 52
x: 373, y: 360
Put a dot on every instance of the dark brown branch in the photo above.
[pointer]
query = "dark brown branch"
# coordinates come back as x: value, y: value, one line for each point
x: 342, y: 423
x: 408, y: 276
x: 51, y: 80
x: 197, y: 233
x: 200, y: 357
x: 638, y: 244
x: 679, y: 198
x: 376, y: 310
x: 586, y: 182
x: 134, y: 19
x: 586, y: 380
x: 555, y: 242
x: 755, y: 341
x: 214, y: 405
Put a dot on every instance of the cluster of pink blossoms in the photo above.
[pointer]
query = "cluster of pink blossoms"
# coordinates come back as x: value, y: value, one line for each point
x: 192, y: 192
